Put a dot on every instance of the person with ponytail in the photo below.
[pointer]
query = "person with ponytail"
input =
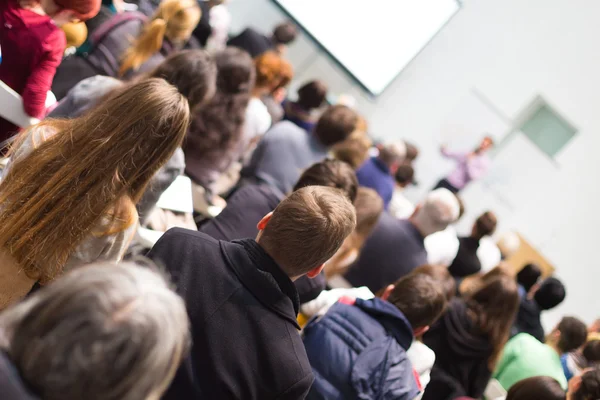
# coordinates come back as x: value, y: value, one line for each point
x: 68, y: 196
x: 168, y: 31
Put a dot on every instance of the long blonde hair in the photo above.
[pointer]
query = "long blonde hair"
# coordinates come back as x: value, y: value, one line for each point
x: 93, y: 166
x: 174, y: 20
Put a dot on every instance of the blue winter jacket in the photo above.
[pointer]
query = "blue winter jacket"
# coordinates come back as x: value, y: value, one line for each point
x: 359, y: 352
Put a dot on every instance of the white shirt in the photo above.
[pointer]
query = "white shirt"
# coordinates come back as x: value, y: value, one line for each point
x: 258, y: 119
x: 442, y: 247
x: 488, y: 254
x: 400, y: 207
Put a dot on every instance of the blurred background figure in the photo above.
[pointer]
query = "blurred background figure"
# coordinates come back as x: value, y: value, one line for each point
x: 256, y: 43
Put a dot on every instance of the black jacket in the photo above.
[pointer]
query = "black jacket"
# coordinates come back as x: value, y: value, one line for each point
x: 12, y: 386
x: 466, y: 261
x: 394, y: 248
x: 528, y: 319
x: 242, y: 308
x: 245, y: 208
x: 252, y: 41
x: 461, y: 356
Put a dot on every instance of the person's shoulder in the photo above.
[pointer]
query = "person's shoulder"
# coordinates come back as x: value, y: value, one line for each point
x: 187, y: 236
x: 524, y: 340
x: 55, y: 40
x: 286, y: 128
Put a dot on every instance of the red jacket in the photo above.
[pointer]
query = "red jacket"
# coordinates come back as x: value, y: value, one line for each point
x: 32, y: 48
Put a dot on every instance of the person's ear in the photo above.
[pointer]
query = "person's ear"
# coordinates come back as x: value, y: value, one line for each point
x: 264, y: 221
x: 420, y: 331
x: 386, y: 293
x: 313, y: 273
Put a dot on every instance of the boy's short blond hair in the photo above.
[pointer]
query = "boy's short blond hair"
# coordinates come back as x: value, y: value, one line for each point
x: 307, y: 228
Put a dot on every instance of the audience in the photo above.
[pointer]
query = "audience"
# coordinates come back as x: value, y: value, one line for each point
x: 574, y: 363
x: 52, y: 224
x: 537, y: 387
x: 255, y: 43
x: 400, y: 206
x: 358, y: 348
x: 467, y: 261
x: 286, y: 150
x: 32, y: 48
x: 549, y: 294
x: 241, y: 300
x: 586, y: 386
x: 469, y: 338
x: 378, y: 172
x: 101, y: 332
x: 396, y: 247
x: 311, y: 96
x: 524, y: 356
x: 442, y: 246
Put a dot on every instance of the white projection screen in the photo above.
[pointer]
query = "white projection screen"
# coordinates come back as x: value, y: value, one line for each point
x: 373, y: 40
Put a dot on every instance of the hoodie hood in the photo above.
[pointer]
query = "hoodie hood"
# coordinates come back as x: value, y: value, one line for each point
x: 12, y: 386
x: 390, y: 317
x: 462, y: 337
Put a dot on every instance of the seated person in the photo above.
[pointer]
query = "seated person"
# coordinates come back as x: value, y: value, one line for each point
x: 585, y: 386
x: 538, y: 388
x: 242, y: 302
x: 358, y: 348
x: 524, y: 356
x: 396, y: 247
x: 311, y: 96
x: 467, y: 261
x: 286, y: 150
x: 442, y: 247
x: 400, y: 206
x: 378, y: 172
x: 248, y: 204
x: 545, y: 296
x: 73, y: 339
x: 255, y: 43
x: 528, y: 277
x: 576, y: 362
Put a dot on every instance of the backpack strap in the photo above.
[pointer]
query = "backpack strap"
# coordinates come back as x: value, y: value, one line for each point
x: 117, y: 20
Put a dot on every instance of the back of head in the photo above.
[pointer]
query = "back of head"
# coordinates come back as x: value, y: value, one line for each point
x: 312, y: 95
x: 412, y: 152
x: 404, y: 175
x: 111, y: 152
x: 330, y: 173
x: 528, y: 276
x: 393, y: 154
x: 355, y: 149
x: 420, y: 298
x: 439, y: 209
x: 494, y: 306
x: 441, y: 276
x: 550, y: 293
x: 83, y: 9
x: 218, y: 125
x: 485, y: 225
x: 272, y: 71
x: 73, y: 339
x: 285, y: 33
x: 174, y: 20
x: 336, y: 124
x: 307, y: 228
x: 369, y: 207
x: 589, y: 389
x: 192, y: 72
x: 591, y: 352
x: 573, y: 334
x: 538, y: 388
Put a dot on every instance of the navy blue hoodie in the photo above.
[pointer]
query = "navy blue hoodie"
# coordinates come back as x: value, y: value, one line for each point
x: 358, y: 351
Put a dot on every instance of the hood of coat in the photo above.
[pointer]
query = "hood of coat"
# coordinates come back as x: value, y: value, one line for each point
x: 463, y: 338
x: 390, y: 317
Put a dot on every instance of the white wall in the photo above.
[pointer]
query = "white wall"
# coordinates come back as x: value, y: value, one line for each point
x: 503, y: 54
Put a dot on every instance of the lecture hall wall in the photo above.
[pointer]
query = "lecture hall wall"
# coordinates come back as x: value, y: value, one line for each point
x: 483, y: 71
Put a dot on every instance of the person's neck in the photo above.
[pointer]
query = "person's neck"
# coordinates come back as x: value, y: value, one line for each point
x: 554, y: 346
x: 257, y: 240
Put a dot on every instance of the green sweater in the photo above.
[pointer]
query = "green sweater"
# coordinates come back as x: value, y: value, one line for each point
x: 524, y: 357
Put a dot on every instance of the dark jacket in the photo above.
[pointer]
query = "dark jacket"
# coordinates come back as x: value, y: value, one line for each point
x: 251, y: 41
x: 528, y: 320
x: 358, y: 351
x: 376, y: 175
x: 461, y: 356
x: 243, y: 310
x: 245, y: 208
x: 394, y: 249
x: 466, y: 261
x: 12, y: 386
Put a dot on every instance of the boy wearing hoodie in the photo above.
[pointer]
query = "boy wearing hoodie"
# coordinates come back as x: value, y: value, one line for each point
x: 358, y: 349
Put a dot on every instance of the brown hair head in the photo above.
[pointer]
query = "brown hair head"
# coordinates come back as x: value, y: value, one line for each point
x: 307, y: 228
x: 485, y: 225
x: 573, y: 334
x: 412, y: 152
x: 591, y: 351
x: 336, y: 124
x: 589, y: 389
x: 272, y: 71
x: 493, y: 307
x: 312, y: 95
x: 355, y: 148
x: 420, y: 299
x: 285, y: 33
x: 537, y: 387
x: 53, y: 197
x: 369, y: 207
x: 440, y: 274
x: 174, y: 20
x: 404, y: 175
x: 330, y: 173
